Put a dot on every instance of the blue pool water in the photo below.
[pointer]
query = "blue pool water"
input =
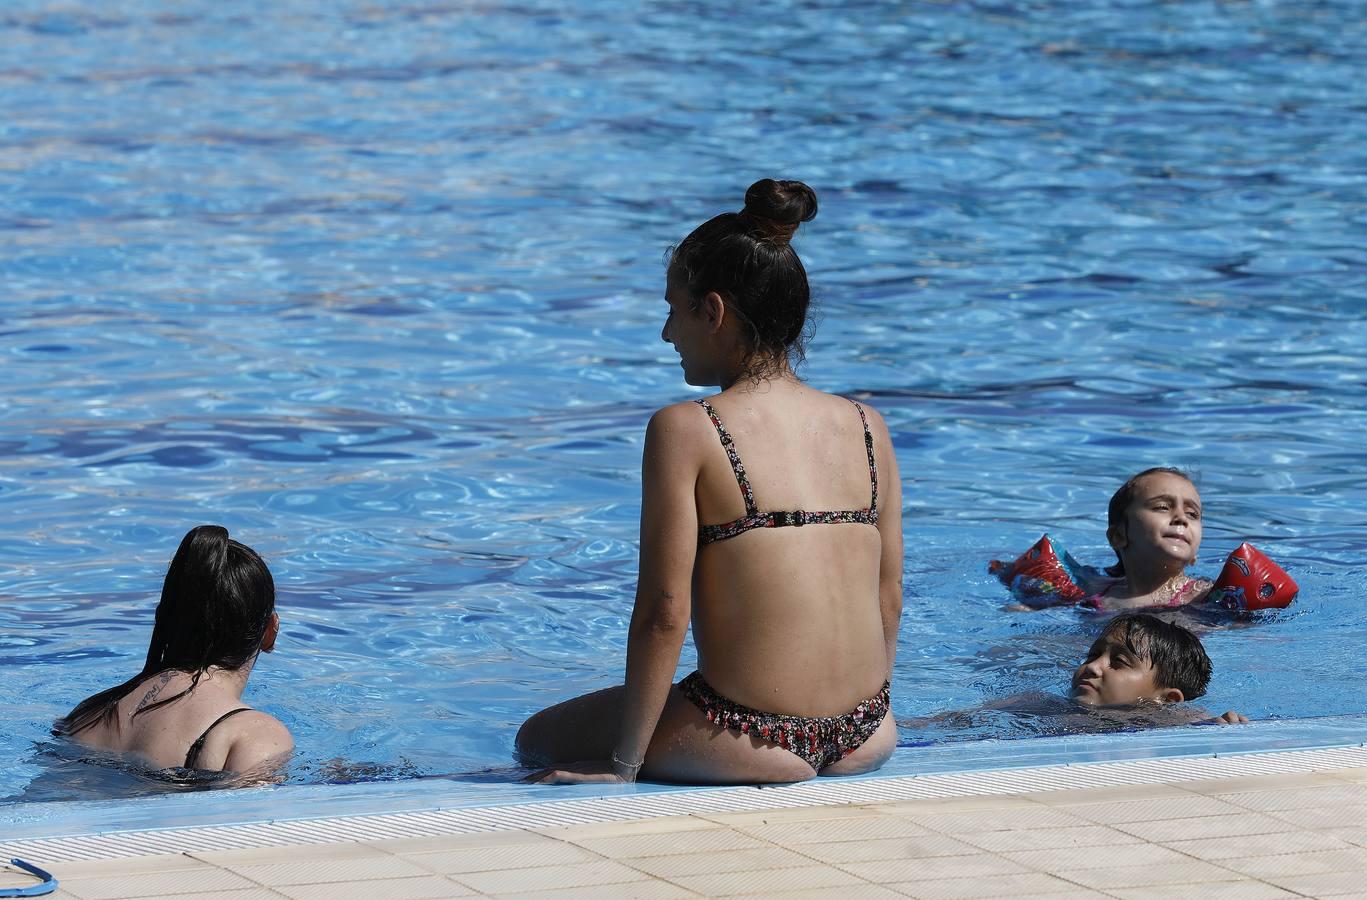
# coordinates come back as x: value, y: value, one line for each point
x: 378, y: 286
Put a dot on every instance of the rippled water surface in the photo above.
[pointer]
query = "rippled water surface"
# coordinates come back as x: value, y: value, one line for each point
x: 378, y: 286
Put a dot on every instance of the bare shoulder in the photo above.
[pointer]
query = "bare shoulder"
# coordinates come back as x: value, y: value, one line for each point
x: 877, y: 425
x: 258, y: 739
x: 685, y: 415
x: 679, y: 425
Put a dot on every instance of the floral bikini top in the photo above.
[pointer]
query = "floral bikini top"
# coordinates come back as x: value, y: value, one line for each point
x: 753, y: 518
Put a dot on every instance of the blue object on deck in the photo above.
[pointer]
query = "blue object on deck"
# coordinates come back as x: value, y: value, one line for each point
x: 47, y: 886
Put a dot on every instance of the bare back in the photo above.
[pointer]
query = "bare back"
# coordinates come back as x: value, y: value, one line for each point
x: 162, y: 737
x: 789, y: 619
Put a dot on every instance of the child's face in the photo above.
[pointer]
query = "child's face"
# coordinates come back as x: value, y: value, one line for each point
x: 1163, y: 522
x: 1113, y: 675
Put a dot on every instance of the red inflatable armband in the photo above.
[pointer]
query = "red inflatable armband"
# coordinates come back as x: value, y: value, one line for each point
x: 1250, y: 581
x: 1041, y: 576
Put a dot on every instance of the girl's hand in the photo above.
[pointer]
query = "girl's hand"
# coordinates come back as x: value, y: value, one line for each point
x: 593, y: 771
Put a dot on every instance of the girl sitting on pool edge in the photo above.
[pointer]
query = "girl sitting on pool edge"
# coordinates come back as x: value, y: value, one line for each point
x: 788, y: 566
x: 184, y: 709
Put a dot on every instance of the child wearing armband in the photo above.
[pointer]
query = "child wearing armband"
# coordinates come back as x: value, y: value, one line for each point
x: 1153, y: 524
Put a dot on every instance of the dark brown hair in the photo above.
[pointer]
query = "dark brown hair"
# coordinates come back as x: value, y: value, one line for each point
x: 216, y: 605
x: 747, y: 259
x: 1179, y: 661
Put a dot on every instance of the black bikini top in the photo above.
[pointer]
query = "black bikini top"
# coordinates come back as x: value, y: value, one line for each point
x: 192, y: 756
x: 753, y: 518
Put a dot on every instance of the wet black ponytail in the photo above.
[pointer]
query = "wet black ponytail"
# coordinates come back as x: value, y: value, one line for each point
x: 216, y: 605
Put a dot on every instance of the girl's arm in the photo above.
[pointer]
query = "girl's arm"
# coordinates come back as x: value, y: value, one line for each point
x: 664, y: 588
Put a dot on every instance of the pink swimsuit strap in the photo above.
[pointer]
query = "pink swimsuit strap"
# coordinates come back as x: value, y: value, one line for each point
x: 1098, y: 601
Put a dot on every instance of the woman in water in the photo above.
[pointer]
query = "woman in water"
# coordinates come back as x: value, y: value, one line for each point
x: 184, y: 709
x: 788, y: 564
x: 1154, y: 527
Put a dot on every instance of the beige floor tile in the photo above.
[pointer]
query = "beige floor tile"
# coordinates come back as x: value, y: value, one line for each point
x: 16, y: 878
x: 546, y: 878
x: 958, y: 804
x: 1076, y: 893
x: 729, y: 861
x: 1188, y: 806
x: 326, y: 871
x: 1049, y: 838
x: 1357, y: 836
x: 292, y: 853
x: 1258, y: 844
x: 864, y: 828
x: 916, y: 847
x: 797, y: 814
x: 845, y: 892
x: 504, y: 838
x: 1251, y: 783
x: 638, y: 890
x: 714, y: 839
x: 1118, y: 794
x: 1210, y: 890
x: 660, y: 824
x: 426, y: 887
x: 1316, y: 863
x: 246, y: 893
x: 770, y: 882
x: 989, y: 886
x: 1195, y: 827
x: 1323, y: 816
x: 1109, y: 879
x: 154, y: 884
x: 888, y: 871
x: 1336, y: 884
x: 133, y: 865
x: 1072, y: 858
x: 494, y: 858
x: 1329, y: 795
x: 1027, y: 817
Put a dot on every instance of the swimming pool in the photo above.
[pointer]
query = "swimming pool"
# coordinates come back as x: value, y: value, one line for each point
x: 379, y: 288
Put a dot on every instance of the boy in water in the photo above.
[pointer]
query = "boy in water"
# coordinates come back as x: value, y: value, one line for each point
x: 1141, y: 659
x: 1138, y: 674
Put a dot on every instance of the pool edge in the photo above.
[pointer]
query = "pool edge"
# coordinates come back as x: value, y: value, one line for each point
x: 622, y: 807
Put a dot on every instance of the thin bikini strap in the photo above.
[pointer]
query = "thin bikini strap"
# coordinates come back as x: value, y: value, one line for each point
x: 192, y: 756
x: 873, y: 466
x: 736, y: 465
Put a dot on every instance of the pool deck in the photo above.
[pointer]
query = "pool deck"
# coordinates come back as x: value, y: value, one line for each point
x: 1294, y: 834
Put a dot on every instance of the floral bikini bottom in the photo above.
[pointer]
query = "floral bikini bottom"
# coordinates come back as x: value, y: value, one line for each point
x: 820, y: 740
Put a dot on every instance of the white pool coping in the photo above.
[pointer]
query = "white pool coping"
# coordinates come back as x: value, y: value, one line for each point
x: 625, y: 806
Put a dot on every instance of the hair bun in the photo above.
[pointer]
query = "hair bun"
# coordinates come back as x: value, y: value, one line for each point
x: 778, y: 207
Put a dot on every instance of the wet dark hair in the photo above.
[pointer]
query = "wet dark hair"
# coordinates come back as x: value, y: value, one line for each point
x: 1179, y: 661
x: 216, y: 605
x: 747, y: 258
x: 1121, y: 500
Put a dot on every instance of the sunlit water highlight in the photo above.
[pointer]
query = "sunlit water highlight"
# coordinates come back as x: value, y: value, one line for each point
x: 378, y: 286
